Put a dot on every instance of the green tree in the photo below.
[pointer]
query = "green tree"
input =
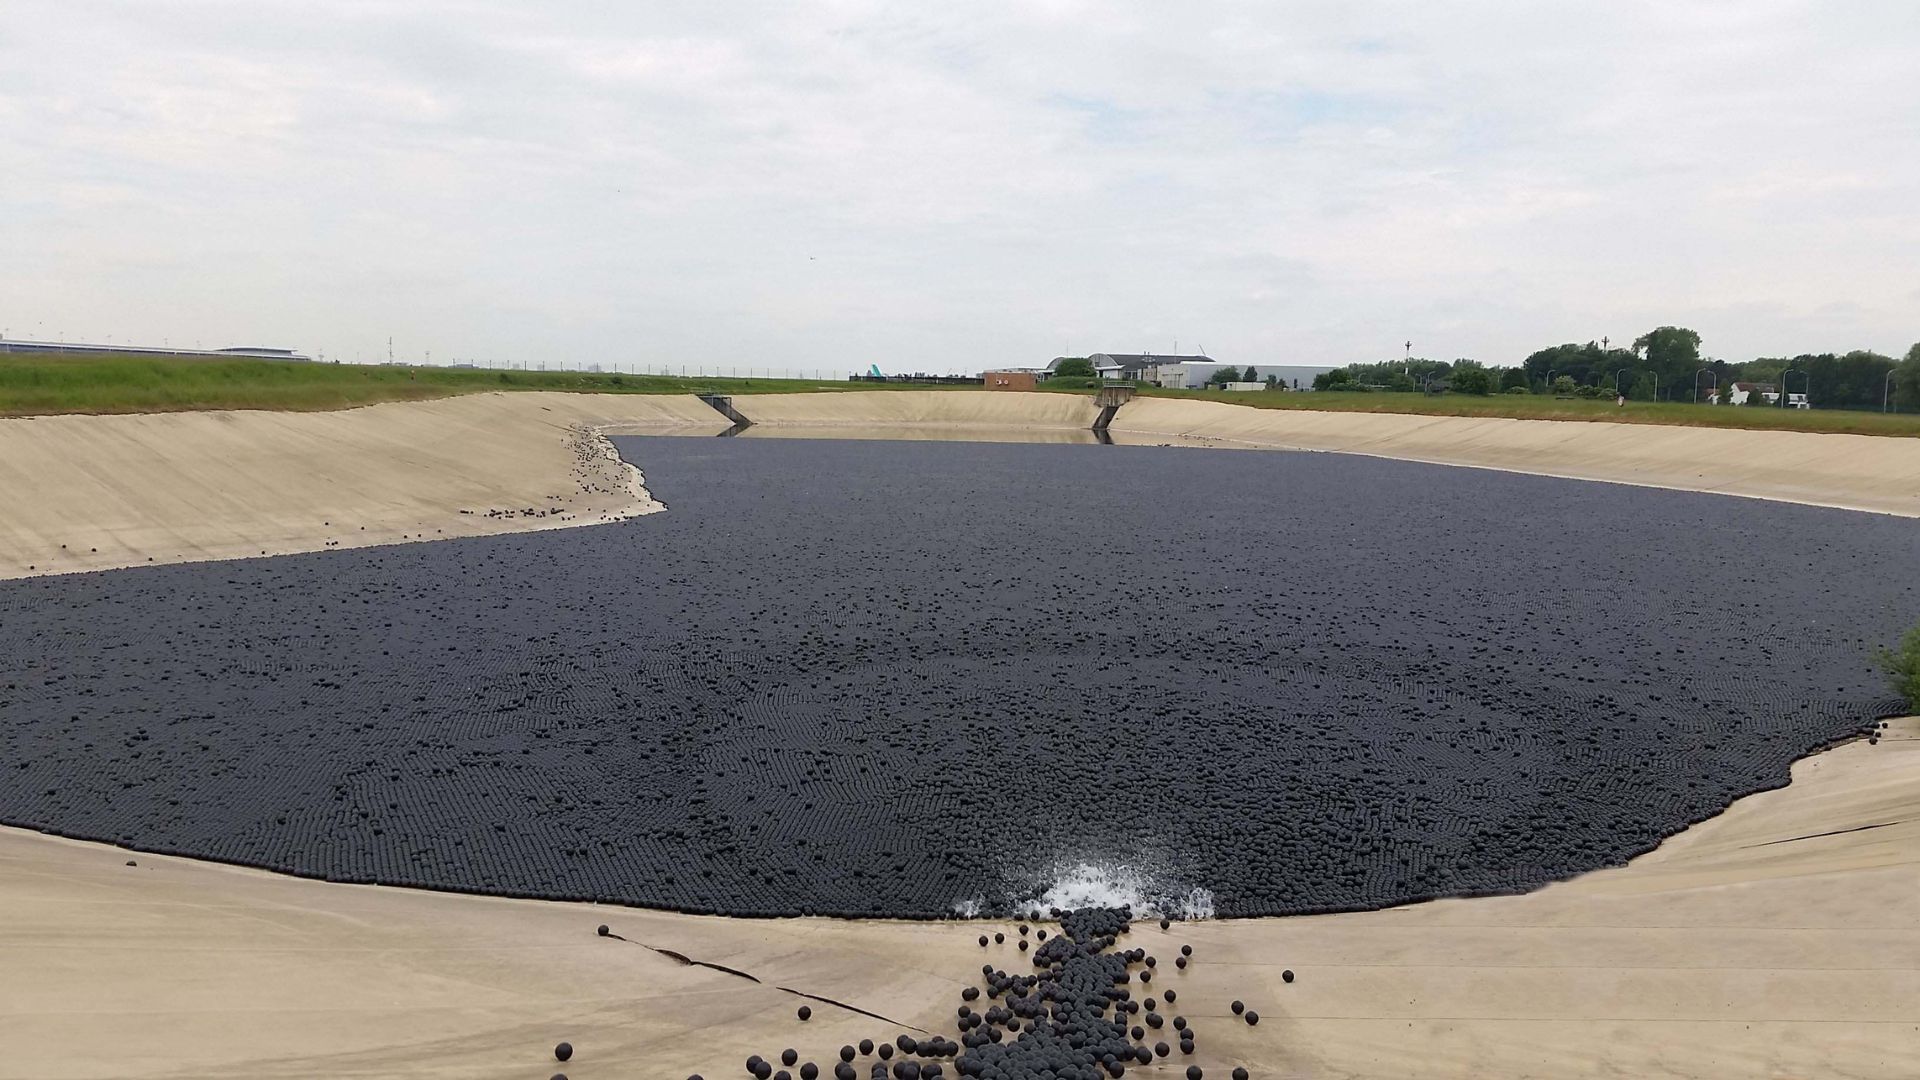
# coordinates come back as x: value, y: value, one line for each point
x: 1469, y: 377
x: 1563, y: 384
x: 1401, y: 375
x: 1672, y: 352
x: 1226, y: 375
x: 1514, y: 378
x: 1906, y: 379
x: 1855, y: 380
x: 1589, y: 364
x: 1756, y: 398
x: 1075, y: 366
x: 1248, y: 375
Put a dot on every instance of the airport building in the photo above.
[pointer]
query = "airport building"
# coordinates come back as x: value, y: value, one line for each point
x: 254, y: 352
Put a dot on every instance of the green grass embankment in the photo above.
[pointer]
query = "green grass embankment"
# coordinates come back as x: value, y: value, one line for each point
x: 33, y: 384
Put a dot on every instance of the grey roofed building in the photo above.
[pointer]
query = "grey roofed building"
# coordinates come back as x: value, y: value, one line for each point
x: 1131, y: 365
x: 253, y: 352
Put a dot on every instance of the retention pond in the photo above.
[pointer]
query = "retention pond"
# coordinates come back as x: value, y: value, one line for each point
x: 882, y: 678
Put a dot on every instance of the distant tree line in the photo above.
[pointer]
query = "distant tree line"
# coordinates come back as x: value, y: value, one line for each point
x: 1662, y: 365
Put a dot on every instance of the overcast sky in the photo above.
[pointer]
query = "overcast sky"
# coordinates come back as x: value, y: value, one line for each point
x: 949, y: 186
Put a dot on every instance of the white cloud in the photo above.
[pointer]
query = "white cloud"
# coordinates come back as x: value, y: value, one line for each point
x: 829, y: 184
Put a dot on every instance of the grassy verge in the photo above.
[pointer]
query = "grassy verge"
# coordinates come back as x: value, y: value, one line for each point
x: 1541, y: 407
x: 39, y: 385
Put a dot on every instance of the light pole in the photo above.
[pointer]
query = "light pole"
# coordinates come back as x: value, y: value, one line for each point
x: 1806, y: 386
x: 1886, y: 392
x: 1696, y: 383
x: 1616, y: 381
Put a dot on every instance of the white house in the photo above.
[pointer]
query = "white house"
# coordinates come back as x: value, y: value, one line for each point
x: 1739, y: 393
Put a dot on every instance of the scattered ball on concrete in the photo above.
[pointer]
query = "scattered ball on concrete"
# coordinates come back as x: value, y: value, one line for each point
x: 563, y: 1052
x: 1287, y: 975
x: 805, y: 1013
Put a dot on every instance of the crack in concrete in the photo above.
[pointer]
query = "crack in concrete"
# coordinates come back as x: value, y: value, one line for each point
x: 689, y: 961
x: 1832, y: 832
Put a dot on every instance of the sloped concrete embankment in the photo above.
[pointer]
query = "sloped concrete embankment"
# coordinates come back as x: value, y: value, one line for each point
x: 1854, y: 472
x: 1778, y: 939
x: 96, y: 492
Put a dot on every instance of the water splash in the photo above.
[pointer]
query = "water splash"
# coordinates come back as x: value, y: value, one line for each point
x: 1112, y: 884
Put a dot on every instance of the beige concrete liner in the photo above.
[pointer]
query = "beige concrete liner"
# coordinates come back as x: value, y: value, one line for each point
x: 945, y: 407
x: 1857, y: 472
x: 92, y: 492
x: 1781, y: 939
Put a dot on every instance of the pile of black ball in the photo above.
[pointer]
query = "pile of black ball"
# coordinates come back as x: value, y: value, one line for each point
x: 1070, y: 1018
x: 832, y: 676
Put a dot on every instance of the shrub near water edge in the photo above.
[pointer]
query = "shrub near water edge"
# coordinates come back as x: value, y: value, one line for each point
x: 1903, y: 667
